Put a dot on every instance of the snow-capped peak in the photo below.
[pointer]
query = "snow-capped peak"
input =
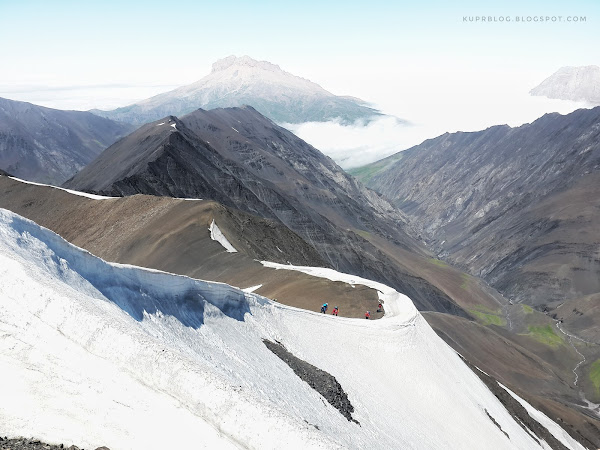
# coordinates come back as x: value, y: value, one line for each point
x: 236, y: 81
x: 243, y: 61
x: 572, y: 83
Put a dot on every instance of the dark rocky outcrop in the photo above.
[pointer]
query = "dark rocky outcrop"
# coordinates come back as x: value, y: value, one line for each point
x: 49, y: 145
x: 35, y: 444
x: 522, y: 417
x: 321, y: 381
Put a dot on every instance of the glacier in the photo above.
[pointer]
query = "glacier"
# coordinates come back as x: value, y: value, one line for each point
x: 95, y: 353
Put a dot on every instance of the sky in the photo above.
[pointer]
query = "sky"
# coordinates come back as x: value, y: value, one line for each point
x: 420, y: 61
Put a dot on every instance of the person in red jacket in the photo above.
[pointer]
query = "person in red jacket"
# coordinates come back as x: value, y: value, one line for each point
x: 367, y: 315
x: 335, y: 311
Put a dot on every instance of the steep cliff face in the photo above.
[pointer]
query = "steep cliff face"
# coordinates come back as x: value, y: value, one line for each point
x: 516, y: 206
x: 48, y: 145
x: 241, y: 159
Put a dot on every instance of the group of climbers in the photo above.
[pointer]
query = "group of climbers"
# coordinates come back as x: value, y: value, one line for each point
x: 326, y: 306
x: 336, y: 310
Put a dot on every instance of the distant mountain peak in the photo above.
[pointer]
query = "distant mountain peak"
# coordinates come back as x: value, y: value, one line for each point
x: 243, y: 61
x: 572, y: 83
x: 236, y: 81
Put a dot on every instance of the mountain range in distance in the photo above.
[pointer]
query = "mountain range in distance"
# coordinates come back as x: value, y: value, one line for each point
x: 50, y: 145
x: 578, y: 84
x: 237, y: 81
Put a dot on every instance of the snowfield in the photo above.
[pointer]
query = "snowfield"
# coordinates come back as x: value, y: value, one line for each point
x: 93, y: 354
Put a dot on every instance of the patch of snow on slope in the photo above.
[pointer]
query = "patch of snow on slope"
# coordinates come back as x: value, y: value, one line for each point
x: 70, y: 191
x: 234, y: 130
x: 217, y: 235
x: 174, y: 125
x: 251, y: 289
x: 162, y: 123
x: 556, y: 430
x: 102, y: 354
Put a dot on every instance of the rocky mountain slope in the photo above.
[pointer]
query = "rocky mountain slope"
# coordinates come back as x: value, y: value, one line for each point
x: 238, y: 157
x: 516, y: 206
x: 49, y: 145
x: 572, y: 83
x: 279, y: 95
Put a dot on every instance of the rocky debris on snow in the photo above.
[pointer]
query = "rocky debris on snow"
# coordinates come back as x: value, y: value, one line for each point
x: 321, y: 381
x: 520, y: 414
x: 34, y: 444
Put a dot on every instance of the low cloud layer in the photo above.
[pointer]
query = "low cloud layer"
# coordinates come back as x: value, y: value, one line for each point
x: 81, y: 98
x: 360, y: 144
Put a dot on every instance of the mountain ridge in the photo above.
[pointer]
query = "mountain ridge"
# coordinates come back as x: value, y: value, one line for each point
x: 50, y: 145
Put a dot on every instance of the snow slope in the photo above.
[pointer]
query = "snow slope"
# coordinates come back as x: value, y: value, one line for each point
x: 93, y: 353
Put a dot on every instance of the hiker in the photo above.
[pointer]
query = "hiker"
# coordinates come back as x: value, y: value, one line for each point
x: 324, y: 308
x: 335, y: 311
x: 367, y: 315
x: 379, y: 307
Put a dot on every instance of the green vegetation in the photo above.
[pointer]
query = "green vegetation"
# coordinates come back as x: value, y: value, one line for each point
x: 363, y: 233
x: 488, y: 316
x: 365, y: 173
x: 595, y: 375
x: 466, y: 279
x: 545, y: 335
x: 527, y: 309
x: 438, y: 262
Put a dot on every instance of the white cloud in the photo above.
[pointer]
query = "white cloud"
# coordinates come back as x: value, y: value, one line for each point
x: 468, y: 108
x: 358, y: 144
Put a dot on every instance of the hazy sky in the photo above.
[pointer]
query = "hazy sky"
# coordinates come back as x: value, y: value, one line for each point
x: 417, y: 60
